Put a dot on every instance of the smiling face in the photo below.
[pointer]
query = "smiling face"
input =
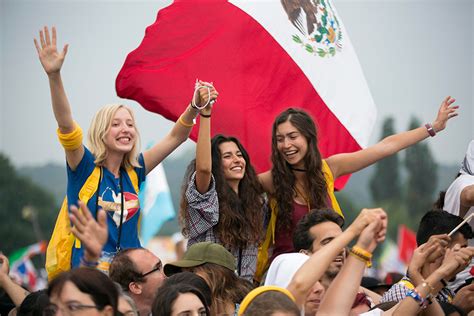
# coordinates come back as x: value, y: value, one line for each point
x: 121, y: 135
x: 188, y: 304
x: 232, y: 162
x: 323, y: 233
x: 291, y: 144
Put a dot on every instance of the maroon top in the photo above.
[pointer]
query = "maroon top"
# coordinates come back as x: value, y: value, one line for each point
x: 284, y: 237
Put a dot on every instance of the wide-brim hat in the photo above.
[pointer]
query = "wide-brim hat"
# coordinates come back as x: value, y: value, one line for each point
x: 201, y: 253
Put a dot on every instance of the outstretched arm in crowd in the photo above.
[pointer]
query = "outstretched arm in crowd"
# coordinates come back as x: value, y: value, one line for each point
x: 313, y: 269
x: 52, y: 61
x: 342, y: 164
x: 16, y: 293
x: 92, y: 234
x: 348, y: 279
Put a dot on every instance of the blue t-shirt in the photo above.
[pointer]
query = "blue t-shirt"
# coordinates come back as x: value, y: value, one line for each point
x: 110, y: 201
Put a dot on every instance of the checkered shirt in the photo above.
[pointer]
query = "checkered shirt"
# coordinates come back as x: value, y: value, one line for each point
x: 399, y: 291
x: 203, y: 211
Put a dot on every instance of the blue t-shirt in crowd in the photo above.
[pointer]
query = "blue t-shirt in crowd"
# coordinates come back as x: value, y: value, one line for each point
x: 110, y: 201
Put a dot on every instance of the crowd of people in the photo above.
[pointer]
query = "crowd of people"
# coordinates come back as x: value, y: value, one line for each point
x: 274, y: 243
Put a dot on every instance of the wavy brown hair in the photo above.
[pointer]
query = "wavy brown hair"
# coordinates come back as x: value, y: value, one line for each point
x: 283, y: 177
x: 240, y: 215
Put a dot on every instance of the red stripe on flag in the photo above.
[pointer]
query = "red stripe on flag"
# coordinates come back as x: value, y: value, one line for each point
x: 406, y: 243
x: 256, y: 78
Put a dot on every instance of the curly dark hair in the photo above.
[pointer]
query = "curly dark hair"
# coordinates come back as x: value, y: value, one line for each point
x: 283, y: 177
x: 240, y: 215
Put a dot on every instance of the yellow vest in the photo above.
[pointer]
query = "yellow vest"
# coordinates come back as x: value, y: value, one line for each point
x: 263, y: 256
x: 59, y: 252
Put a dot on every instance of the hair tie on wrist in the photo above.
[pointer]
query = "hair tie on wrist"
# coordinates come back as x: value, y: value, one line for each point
x: 430, y: 129
x: 205, y: 115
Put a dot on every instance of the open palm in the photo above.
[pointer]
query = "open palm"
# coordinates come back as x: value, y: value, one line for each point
x: 50, y: 58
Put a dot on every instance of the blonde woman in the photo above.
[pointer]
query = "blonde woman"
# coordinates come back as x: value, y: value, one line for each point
x: 112, y: 157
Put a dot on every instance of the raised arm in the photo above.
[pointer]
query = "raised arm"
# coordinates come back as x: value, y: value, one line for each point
x: 467, y: 200
x: 313, y: 269
x: 16, y: 293
x: 178, y: 134
x: 203, y: 146
x: 342, y: 164
x: 52, y: 61
x: 348, y: 279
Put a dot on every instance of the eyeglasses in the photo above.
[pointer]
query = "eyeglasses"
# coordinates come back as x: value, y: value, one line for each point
x: 68, y: 309
x: 158, y: 267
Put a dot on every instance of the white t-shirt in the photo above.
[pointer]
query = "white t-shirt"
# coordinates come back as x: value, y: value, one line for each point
x: 452, y: 204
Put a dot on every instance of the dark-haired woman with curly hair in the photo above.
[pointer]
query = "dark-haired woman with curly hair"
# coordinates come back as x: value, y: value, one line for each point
x: 223, y: 200
x: 301, y: 179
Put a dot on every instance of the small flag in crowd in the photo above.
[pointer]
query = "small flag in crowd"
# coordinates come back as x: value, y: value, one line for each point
x: 22, y: 268
x: 156, y: 204
x: 263, y: 57
x: 406, y: 243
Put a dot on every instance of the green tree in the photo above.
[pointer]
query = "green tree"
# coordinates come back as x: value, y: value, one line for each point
x: 422, y: 176
x: 385, y: 183
x: 16, y: 193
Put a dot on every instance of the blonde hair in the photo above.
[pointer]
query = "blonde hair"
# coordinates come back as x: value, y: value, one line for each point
x: 99, y: 128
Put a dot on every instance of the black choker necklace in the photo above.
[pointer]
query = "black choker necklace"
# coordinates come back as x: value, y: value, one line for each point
x: 298, y: 169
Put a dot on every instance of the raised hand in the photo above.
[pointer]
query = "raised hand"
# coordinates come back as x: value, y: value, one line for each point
x: 93, y: 234
x: 50, y: 58
x: 373, y: 234
x: 205, y: 96
x: 367, y: 216
x: 446, y: 111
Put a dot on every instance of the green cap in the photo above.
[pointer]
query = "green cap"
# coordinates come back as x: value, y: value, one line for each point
x: 200, y: 253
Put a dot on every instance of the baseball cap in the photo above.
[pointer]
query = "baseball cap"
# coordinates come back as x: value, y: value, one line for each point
x: 201, y: 253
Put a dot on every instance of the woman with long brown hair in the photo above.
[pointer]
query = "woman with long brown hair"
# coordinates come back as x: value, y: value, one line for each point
x: 223, y: 200
x: 301, y: 179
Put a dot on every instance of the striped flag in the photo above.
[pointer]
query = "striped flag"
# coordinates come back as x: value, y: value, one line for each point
x: 156, y: 204
x: 22, y: 268
x: 263, y: 57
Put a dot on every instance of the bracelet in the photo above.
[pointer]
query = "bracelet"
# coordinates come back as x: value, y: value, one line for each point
x: 362, y: 254
x: 414, y: 294
x: 205, y: 115
x: 182, y: 122
x: 426, y: 284
x: 430, y: 129
x: 89, y: 264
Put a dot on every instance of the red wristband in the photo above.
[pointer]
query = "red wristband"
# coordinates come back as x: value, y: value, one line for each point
x: 430, y: 129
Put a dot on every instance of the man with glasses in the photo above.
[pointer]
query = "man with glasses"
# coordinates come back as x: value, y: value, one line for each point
x: 140, y: 273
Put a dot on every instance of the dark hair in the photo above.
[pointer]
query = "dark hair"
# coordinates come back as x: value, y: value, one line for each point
x: 192, y: 279
x: 270, y: 302
x: 439, y: 203
x: 226, y: 287
x: 123, y: 270
x: 283, y: 177
x: 240, y: 215
x: 33, y: 304
x: 302, y: 239
x: 437, y: 222
x: 89, y: 281
x: 167, y: 295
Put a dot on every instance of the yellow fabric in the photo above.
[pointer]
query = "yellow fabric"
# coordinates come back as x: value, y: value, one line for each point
x: 59, y: 251
x: 263, y: 250
x: 73, y: 140
x: 407, y: 284
x: 259, y: 290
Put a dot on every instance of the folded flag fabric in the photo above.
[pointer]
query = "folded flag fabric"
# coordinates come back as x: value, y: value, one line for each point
x: 156, y: 204
x: 263, y: 57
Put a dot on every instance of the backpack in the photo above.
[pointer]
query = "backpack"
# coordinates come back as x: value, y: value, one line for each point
x: 59, y: 251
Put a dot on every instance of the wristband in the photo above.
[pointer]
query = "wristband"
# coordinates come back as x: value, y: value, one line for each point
x: 362, y: 255
x: 182, y: 122
x: 89, y: 264
x: 205, y: 115
x: 430, y: 129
